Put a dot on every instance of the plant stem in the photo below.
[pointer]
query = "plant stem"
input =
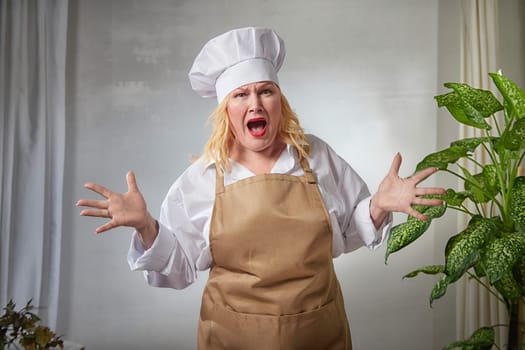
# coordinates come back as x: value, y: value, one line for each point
x: 521, y: 159
x: 495, y: 120
x: 471, y: 275
x: 455, y: 174
x: 475, y: 161
x: 463, y: 209
x: 514, y: 327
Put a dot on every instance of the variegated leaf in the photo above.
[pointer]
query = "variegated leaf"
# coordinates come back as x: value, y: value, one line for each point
x: 439, y: 289
x: 462, y: 112
x: 490, y: 177
x: 405, y: 233
x: 514, y: 139
x: 428, y: 270
x: 482, y: 101
x: 464, y: 249
x: 481, y: 339
x: 479, y: 270
x: 482, y: 187
x: 501, y: 254
x: 469, y: 105
x: 442, y: 158
x: 470, y: 144
x: 517, y: 201
x: 435, y: 211
x: 454, y: 198
x: 514, y: 96
x: 508, y: 287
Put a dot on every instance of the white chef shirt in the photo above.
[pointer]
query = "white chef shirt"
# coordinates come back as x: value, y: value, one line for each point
x: 182, y: 245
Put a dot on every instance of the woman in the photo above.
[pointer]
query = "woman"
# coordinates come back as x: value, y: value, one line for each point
x: 265, y: 209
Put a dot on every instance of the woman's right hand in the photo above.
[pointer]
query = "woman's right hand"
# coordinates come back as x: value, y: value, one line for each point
x: 123, y: 209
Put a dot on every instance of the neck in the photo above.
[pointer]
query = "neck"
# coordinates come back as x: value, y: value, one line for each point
x: 258, y: 162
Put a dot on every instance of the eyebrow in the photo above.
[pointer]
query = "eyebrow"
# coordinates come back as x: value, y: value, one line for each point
x: 266, y: 84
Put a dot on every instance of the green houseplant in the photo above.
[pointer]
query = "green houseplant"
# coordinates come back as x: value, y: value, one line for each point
x: 491, y: 248
x: 21, y: 329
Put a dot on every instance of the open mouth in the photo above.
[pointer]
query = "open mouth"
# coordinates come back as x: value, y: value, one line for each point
x: 257, y: 127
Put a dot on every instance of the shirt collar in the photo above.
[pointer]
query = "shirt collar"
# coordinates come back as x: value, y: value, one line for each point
x: 284, y: 164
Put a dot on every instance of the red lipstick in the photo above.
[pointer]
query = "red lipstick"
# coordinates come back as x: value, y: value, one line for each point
x: 257, y: 127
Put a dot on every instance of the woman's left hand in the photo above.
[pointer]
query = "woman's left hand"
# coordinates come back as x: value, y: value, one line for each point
x: 396, y: 194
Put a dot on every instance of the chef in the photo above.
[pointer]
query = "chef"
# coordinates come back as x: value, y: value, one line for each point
x: 265, y: 210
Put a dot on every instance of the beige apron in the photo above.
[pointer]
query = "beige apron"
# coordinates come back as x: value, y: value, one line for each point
x: 272, y: 284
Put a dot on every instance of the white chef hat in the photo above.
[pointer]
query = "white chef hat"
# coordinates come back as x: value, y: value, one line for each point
x: 235, y: 58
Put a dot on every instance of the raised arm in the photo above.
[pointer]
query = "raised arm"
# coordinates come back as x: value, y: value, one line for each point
x: 122, y: 209
x: 396, y: 194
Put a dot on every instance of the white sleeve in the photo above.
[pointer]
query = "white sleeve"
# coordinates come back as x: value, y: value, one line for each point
x: 172, y: 259
x: 347, y: 199
x: 357, y: 226
x: 362, y: 225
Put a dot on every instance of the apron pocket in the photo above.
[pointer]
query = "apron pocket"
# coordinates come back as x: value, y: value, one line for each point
x: 323, y: 328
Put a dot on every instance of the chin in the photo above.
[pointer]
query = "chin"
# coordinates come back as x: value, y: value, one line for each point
x: 257, y: 145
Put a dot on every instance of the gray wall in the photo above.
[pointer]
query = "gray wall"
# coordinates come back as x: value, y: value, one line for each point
x: 360, y: 74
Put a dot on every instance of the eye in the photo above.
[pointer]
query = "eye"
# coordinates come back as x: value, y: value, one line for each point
x: 267, y: 92
x: 239, y: 94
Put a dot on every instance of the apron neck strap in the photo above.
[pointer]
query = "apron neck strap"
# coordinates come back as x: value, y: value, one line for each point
x: 219, y: 180
x: 308, y: 173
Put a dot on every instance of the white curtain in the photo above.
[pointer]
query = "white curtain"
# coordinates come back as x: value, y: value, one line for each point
x: 32, y: 130
x: 475, y: 306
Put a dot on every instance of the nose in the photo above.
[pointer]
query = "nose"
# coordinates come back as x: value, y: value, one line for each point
x: 255, y: 103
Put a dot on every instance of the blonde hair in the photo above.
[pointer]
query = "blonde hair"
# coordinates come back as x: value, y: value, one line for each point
x: 218, y: 146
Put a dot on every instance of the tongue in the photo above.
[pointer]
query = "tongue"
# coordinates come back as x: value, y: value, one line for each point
x: 257, y: 128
